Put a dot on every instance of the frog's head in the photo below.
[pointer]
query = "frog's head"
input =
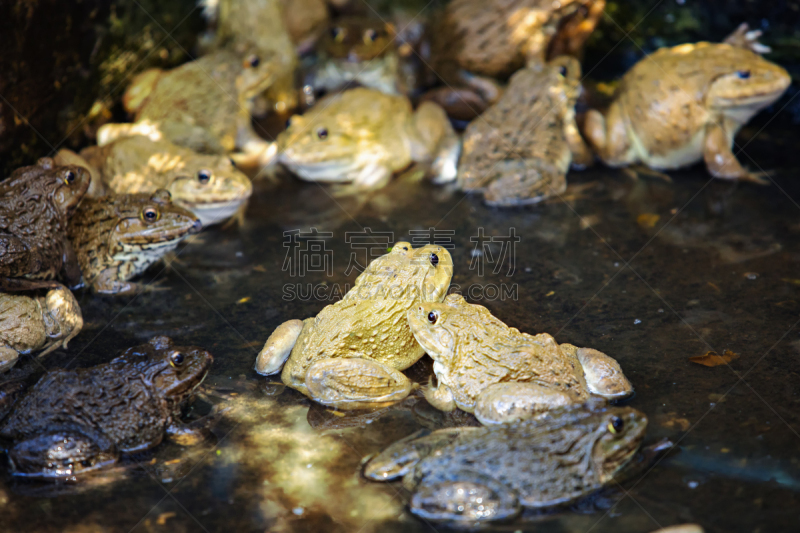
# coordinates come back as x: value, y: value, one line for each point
x: 70, y: 183
x: 62, y: 316
x: 151, y: 221
x: 210, y: 186
x: 436, y: 325
x: 568, y: 70
x: 743, y: 82
x: 357, y: 39
x: 174, y: 371
x: 256, y: 76
x: 619, y: 431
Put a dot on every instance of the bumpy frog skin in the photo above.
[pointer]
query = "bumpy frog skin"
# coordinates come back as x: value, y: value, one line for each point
x: 76, y: 421
x: 362, y: 136
x: 685, y: 104
x: 350, y: 355
x: 500, y: 374
x: 519, y: 150
x: 477, y: 475
x: 210, y: 186
x: 204, y: 105
x: 31, y: 323
x: 117, y: 237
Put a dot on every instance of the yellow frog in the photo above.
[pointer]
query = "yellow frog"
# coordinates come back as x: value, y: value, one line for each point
x: 350, y: 355
x: 685, y: 104
x: 362, y: 136
x: 520, y: 149
x: 501, y: 375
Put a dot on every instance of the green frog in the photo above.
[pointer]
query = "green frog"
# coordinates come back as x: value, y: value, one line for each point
x: 471, y: 476
x: 73, y: 422
x: 350, y: 355
x: 36, y: 203
x: 521, y: 148
x: 29, y: 323
x: 362, y: 136
x: 117, y: 237
x: 500, y: 374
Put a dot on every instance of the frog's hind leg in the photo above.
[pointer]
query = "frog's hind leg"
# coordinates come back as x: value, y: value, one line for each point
x: 8, y: 358
x: 524, y: 182
x: 59, y: 454
x: 473, y: 498
x: 603, y: 374
x: 503, y: 403
x: 279, y: 345
x: 355, y: 383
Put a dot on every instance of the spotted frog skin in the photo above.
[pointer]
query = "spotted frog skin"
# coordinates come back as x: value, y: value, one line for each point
x: 685, y: 104
x: 45, y: 320
x: 204, y: 105
x: 501, y: 375
x: 75, y: 421
x: 519, y: 151
x: 362, y: 136
x: 210, y: 186
x: 470, y: 476
x: 350, y: 355
x: 117, y: 237
x: 36, y: 203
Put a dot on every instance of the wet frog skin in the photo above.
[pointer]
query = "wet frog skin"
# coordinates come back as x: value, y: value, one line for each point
x: 500, y: 374
x: 75, y: 421
x: 350, y: 355
x: 685, y: 104
x: 35, y: 204
x: 489, y: 474
x: 117, y: 237
x: 520, y: 149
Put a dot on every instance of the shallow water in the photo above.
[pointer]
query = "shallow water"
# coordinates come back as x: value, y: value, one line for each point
x: 647, y: 271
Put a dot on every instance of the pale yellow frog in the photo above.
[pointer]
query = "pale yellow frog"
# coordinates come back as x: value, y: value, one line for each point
x: 519, y: 150
x: 350, y: 355
x: 685, y: 104
x: 362, y: 136
x: 501, y: 375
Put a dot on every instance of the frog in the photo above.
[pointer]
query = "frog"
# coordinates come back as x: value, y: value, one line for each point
x: 519, y: 151
x: 685, y: 104
x: 362, y: 136
x: 118, y: 236
x: 208, y: 185
x: 473, y: 476
x: 477, y: 43
x: 74, y: 422
x: 352, y: 353
x: 36, y: 203
x: 40, y: 321
x: 203, y: 105
x: 501, y: 375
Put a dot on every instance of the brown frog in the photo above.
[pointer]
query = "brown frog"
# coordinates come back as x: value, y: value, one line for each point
x: 29, y: 323
x: 501, y: 375
x: 685, y: 104
x: 117, y: 237
x: 35, y: 204
x: 75, y: 421
x: 351, y: 354
x: 519, y: 150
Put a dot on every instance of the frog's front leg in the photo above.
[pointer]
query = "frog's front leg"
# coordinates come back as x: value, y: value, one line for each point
x: 253, y: 151
x: 70, y: 269
x: 721, y: 162
x: 60, y: 454
x: 279, y: 345
x: 355, y: 383
x: 608, y: 136
x: 441, y: 397
x: 372, y: 176
x: 8, y: 358
x: 108, y: 284
x: 190, y: 434
x: 503, y: 403
x: 466, y: 496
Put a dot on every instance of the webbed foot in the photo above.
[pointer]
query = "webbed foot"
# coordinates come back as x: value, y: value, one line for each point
x: 279, y: 345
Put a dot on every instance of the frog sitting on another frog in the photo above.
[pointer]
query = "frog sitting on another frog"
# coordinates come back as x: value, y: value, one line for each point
x: 362, y: 136
x: 476, y: 475
x: 519, y: 150
x: 75, y: 421
x: 36, y: 322
x: 501, y: 375
x: 684, y: 104
x: 117, y: 237
x: 350, y: 355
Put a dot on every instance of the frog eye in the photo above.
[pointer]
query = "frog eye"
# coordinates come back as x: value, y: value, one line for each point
x: 743, y: 74
x: 322, y: 133
x: 562, y: 70
x: 288, y: 123
x: 204, y: 176
x: 434, y: 259
x: 370, y: 36
x: 176, y: 359
x: 232, y: 162
x: 615, y: 425
x: 150, y: 214
x: 338, y: 34
x: 69, y: 177
x: 253, y: 60
x: 433, y: 317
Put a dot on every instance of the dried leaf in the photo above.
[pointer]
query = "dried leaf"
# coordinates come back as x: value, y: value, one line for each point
x: 648, y: 220
x: 714, y: 359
